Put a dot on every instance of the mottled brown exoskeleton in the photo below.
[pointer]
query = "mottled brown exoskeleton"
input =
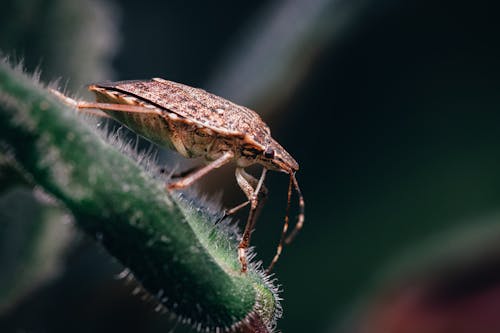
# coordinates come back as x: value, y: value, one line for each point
x: 199, y: 124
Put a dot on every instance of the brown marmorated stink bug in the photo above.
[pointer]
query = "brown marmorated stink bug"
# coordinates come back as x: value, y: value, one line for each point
x: 199, y: 124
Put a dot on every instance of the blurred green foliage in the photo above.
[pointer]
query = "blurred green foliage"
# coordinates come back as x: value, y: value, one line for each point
x: 73, y: 40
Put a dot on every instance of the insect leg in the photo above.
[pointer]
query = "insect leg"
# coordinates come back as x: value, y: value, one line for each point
x: 191, y: 178
x: 74, y: 104
x: 253, y: 182
x: 180, y: 174
x: 104, y: 106
x: 252, y: 195
x: 236, y: 208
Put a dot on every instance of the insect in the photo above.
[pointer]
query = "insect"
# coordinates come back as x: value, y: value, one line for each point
x: 196, y: 123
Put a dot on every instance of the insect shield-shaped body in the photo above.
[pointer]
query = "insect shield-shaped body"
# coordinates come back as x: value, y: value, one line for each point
x: 199, y: 124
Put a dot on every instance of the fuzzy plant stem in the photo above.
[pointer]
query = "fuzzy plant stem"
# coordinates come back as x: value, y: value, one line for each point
x: 171, y: 243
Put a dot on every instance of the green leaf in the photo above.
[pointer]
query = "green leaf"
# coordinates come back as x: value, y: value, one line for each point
x: 171, y: 243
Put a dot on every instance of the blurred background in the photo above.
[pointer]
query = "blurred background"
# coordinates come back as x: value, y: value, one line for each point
x: 390, y: 107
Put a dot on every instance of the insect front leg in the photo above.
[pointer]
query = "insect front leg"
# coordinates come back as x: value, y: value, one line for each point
x: 194, y: 176
x: 262, y: 195
x: 253, y: 195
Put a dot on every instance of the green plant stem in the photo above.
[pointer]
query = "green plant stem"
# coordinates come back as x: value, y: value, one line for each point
x: 170, y: 243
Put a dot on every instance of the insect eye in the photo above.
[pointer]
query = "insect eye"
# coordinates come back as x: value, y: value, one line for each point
x: 269, y: 153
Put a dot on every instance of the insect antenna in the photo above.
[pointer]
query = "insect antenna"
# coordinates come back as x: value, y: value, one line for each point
x: 285, y: 227
x: 300, y: 219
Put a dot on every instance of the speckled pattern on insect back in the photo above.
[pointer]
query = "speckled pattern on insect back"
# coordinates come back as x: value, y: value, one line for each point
x: 203, y: 108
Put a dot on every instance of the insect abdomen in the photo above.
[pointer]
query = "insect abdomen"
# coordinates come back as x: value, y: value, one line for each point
x: 150, y: 126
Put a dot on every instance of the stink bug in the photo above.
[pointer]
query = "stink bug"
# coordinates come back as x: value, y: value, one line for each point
x: 196, y: 123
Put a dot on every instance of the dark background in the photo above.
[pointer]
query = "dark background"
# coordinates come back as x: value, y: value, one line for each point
x: 390, y: 107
